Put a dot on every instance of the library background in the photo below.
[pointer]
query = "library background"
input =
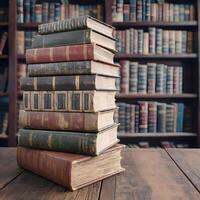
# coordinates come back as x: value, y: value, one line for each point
x: 157, y: 43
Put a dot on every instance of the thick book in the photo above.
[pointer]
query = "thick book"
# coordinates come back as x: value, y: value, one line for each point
x: 75, y: 142
x: 76, y: 23
x: 69, y: 53
x: 70, y: 170
x: 61, y: 83
x: 73, y: 68
x: 72, y: 101
x: 73, y: 37
x: 70, y: 121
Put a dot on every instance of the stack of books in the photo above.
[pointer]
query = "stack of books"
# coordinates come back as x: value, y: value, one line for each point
x: 69, y: 135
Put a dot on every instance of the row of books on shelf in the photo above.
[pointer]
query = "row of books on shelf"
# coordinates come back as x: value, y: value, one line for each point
x: 154, y: 117
x: 152, y: 10
x: 30, y: 11
x: 24, y: 41
x: 150, y: 78
x: 155, y: 40
x: 163, y: 144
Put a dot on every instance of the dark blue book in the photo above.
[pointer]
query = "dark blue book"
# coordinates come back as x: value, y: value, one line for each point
x: 143, y: 10
x: 148, y: 10
x: 32, y: 10
x: 133, y: 10
x: 27, y: 12
x: 180, y: 114
x: 57, y: 13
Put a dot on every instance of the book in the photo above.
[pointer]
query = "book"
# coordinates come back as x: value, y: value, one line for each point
x: 180, y: 115
x: 73, y: 101
x: 124, y: 79
x: 161, y: 118
x: 60, y: 83
x: 152, y: 117
x: 151, y: 78
x: 73, y: 37
x: 69, y: 53
x: 64, y: 141
x: 70, y: 121
x: 3, y: 39
x: 142, y: 78
x: 76, y: 23
x: 133, y: 77
x: 143, y: 116
x: 69, y: 169
x: 170, y: 118
x: 73, y: 68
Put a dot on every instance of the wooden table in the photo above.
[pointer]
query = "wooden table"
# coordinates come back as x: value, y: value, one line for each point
x: 172, y: 174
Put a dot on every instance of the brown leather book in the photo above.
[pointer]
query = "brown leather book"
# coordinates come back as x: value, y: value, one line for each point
x: 72, y: 171
x: 74, y: 121
x: 69, y: 53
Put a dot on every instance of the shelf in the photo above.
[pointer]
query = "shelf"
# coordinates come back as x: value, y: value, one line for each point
x: 3, y: 56
x: 156, y: 96
x: 27, y: 26
x: 3, y: 137
x: 155, y: 135
x: 119, y: 56
x: 3, y: 24
x: 155, y: 24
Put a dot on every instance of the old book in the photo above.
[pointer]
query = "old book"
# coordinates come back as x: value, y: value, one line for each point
x: 137, y: 114
x: 61, y: 83
x: 3, y: 39
x: 159, y: 40
x: 180, y: 114
x: 151, y: 78
x: 124, y: 71
x: 75, y: 142
x: 143, y: 116
x: 70, y: 68
x: 74, y: 121
x: 146, y: 43
x: 152, y: 40
x: 152, y: 117
x: 69, y: 53
x: 121, y: 115
x: 142, y: 79
x: 127, y: 117
x: 170, y: 118
x: 127, y: 41
x: 160, y: 78
x: 20, y: 42
x: 170, y: 80
x: 165, y: 42
x: 161, y: 117
x: 126, y: 12
x: 133, y: 77
x: 73, y: 37
x: 132, y: 118
x: 133, y: 10
x: 72, y: 101
x: 76, y: 23
x: 69, y: 170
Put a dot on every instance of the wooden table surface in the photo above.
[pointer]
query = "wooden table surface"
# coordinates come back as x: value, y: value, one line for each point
x: 172, y: 174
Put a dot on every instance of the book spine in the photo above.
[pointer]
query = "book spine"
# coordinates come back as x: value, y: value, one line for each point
x: 132, y: 40
x: 133, y: 77
x: 38, y: 13
x: 152, y: 117
x: 51, y: 12
x: 170, y: 82
x: 139, y: 10
x: 178, y: 42
x: 45, y: 10
x: 32, y: 10
x: 124, y: 81
x: 188, y: 119
x: 59, y: 54
x: 148, y: 10
x: 3, y: 40
x: 143, y: 117
x: 127, y: 117
x: 160, y: 78
x: 151, y: 78
x: 189, y: 42
x: 142, y: 78
x: 161, y: 118
x: 20, y: 11
x: 120, y: 10
x: 121, y: 114
x: 143, y: 10
x: 132, y: 118
x: 170, y: 118
x: 114, y: 10
x: 135, y: 41
x: 180, y: 114
x: 165, y: 42
x: 59, y: 83
x: 57, y: 14
x: 59, y: 121
x: 127, y: 41
x: 159, y: 40
x: 176, y: 80
x: 146, y: 43
x: 133, y: 10
x: 63, y: 68
x: 63, y: 38
x: 74, y: 142
x: 172, y: 43
x: 137, y: 113
x: 152, y: 40
x: 27, y: 11
x: 140, y: 41
x: 126, y: 12
x: 180, y: 80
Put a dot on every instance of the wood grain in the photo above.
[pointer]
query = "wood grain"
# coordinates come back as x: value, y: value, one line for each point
x: 151, y: 174
x: 8, y: 166
x: 188, y: 160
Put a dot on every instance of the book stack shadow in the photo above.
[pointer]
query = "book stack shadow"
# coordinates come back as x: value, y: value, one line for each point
x: 68, y: 134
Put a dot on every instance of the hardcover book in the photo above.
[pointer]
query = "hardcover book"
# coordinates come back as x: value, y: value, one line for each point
x: 61, y: 83
x: 73, y: 37
x: 72, y: 101
x: 68, y: 169
x: 69, y: 53
x: 70, y: 121
x: 74, y: 142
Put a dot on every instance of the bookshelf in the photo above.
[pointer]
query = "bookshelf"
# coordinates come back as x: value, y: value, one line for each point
x: 191, y: 96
